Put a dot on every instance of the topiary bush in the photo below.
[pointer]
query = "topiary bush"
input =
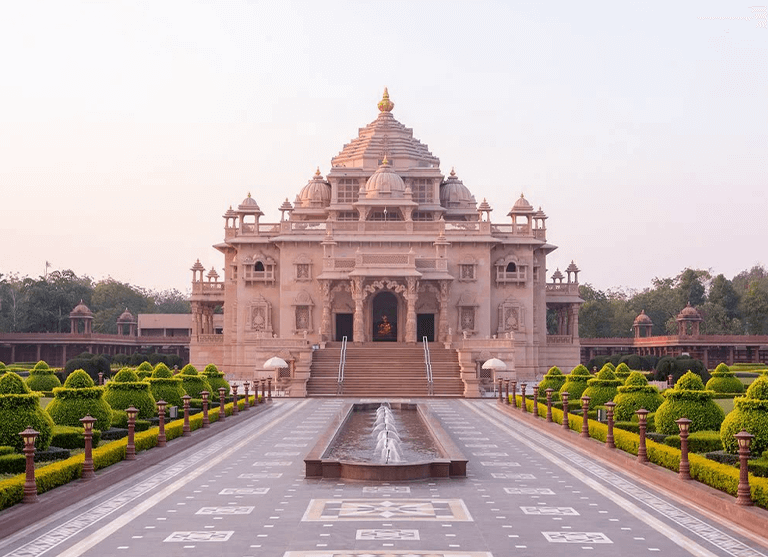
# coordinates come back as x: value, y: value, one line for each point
x: 602, y: 387
x: 215, y: 379
x: 78, y: 398
x: 144, y: 366
x: 688, y: 399
x: 164, y: 386
x: 724, y: 381
x: 3, y: 369
x: 126, y: 390
x: 576, y: 382
x: 19, y: 408
x: 699, y: 442
x: 42, y: 378
x: 750, y: 413
x: 92, y: 365
x: 193, y: 382
x: 553, y: 379
x: 70, y: 437
x: 635, y: 394
x: 622, y: 372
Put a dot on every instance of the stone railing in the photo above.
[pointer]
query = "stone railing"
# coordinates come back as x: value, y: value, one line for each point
x: 210, y: 339
x: 562, y: 287
x: 559, y: 339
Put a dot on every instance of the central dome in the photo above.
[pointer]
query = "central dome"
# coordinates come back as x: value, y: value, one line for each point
x: 384, y: 182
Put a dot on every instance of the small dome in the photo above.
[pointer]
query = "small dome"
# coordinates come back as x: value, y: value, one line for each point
x: 522, y: 205
x: 689, y: 313
x: 484, y: 206
x: 643, y: 319
x: 230, y: 213
x: 317, y: 192
x: 572, y: 268
x: 126, y: 317
x: 557, y: 275
x: 249, y: 204
x: 286, y: 206
x: 82, y: 310
x: 213, y: 275
x: 385, y: 182
x: 455, y: 195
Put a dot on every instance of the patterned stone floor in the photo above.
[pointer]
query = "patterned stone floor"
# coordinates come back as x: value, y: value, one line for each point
x: 243, y: 493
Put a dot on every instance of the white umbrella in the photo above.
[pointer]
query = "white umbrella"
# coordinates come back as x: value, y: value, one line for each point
x: 495, y: 364
x: 274, y: 363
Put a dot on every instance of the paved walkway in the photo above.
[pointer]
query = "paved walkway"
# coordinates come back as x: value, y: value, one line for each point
x: 244, y: 493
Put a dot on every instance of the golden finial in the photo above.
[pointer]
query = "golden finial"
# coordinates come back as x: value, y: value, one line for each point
x: 317, y: 172
x: 385, y: 105
x: 249, y: 194
x: 385, y: 161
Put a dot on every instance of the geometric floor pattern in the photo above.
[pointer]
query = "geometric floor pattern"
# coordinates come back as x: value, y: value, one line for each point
x: 248, y: 497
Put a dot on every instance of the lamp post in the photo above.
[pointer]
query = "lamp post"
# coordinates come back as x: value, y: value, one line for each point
x: 222, y: 413
x: 263, y: 391
x: 101, y: 378
x: 186, y: 432
x: 609, y: 406
x: 514, y: 394
x: 536, y: 400
x: 130, y: 449
x: 564, y: 397
x: 549, y: 392
x: 161, y: 404
x: 642, y: 417
x: 88, y: 472
x: 269, y: 389
x: 501, y: 390
x: 523, y: 406
x: 684, y: 471
x: 743, y: 496
x: 585, y: 416
x: 235, y: 410
x: 206, y: 421
x: 30, y: 487
x: 506, y: 391
x: 247, y: 404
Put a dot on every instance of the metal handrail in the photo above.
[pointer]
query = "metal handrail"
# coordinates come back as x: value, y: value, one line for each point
x: 428, y: 366
x: 342, y: 361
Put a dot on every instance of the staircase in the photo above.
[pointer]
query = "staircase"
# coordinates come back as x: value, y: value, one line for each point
x: 383, y: 369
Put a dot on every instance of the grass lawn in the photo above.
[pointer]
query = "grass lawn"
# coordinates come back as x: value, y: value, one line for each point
x: 44, y: 401
x: 725, y: 403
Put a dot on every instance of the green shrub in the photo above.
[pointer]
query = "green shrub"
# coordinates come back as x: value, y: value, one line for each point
x: 750, y: 413
x: 758, y: 467
x: 70, y: 437
x: 6, y: 449
x: 42, y: 378
x: 576, y: 383
x: 91, y: 364
x: 13, y: 463
x: 144, y: 366
x: 635, y: 394
x: 699, y: 442
x: 215, y: 379
x: 126, y: 390
x: 143, y: 374
x: 193, y: 382
x: 78, y: 398
x: 724, y: 381
x: 688, y: 399
x: 602, y: 387
x: 553, y: 379
x: 165, y: 386
x: 120, y: 421
x: 19, y: 409
x: 622, y: 371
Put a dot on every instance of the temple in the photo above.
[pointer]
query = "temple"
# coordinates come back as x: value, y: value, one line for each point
x: 385, y: 250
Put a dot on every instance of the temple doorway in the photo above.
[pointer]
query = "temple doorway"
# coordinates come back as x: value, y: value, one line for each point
x: 344, y: 326
x: 385, y: 317
x: 425, y: 327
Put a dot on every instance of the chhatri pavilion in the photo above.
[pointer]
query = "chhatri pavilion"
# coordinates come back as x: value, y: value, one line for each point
x: 385, y: 251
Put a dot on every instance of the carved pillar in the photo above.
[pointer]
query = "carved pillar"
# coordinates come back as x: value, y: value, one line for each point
x: 410, y: 320
x: 575, y: 313
x: 442, y: 326
x: 358, y: 326
x: 195, y: 319
x: 325, y: 323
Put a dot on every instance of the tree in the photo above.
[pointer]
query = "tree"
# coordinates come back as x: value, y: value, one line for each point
x: 690, y: 287
x: 171, y: 301
x: 111, y: 297
x: 754, y: 307
x: 723, y: 294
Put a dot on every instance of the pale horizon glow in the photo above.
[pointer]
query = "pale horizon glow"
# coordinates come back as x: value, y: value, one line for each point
x: 129, y: 128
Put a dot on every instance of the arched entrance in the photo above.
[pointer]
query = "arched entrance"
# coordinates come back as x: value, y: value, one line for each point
x: 384, y: 320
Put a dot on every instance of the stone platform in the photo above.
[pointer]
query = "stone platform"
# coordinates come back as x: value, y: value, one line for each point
x: 243, y: 493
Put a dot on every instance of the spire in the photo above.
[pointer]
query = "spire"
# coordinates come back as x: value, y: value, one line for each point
x: 385, y: 105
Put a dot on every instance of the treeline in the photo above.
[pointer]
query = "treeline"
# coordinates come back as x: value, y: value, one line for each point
x: 737, y: 306
x: 42, y: 305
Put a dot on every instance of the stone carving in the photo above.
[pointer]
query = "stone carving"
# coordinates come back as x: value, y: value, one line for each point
x: 260, y: 315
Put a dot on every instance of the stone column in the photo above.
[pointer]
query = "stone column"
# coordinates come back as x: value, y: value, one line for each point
x: 358, y: 325
x: 325, y: 322
x: 442, y: 326
x: 410, y: 320
x: 575, y: 325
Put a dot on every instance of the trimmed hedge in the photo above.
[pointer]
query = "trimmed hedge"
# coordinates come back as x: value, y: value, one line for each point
x: 126, y: 390
x: 78, y: 398
x: 70, y: 437
x: 724, y: 381
x: 576, y: 383
x: 699, y: 442
x: 42, y: 378
x: 20, y: 408
x: 193, y: 382
x: 750, y: 413
x: 688, y: 399
x: 602, y: 387
x: 622, y: 371
x: 216, y: 379
x: 635, y: 394
x: 6, y: 449
x: 13, y: 463
x: 553, y: 379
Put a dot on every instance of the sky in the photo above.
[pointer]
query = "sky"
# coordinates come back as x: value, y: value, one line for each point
x: 128, y: 128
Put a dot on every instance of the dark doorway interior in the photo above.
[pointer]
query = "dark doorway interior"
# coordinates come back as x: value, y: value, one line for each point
x: 385, y: 317
x: 344, y: 326
x: 425, y: 327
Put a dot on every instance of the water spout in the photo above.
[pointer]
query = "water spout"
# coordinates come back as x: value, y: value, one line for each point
x: 387, y: 437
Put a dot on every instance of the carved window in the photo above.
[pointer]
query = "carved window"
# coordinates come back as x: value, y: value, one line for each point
x: 509, y: 270
x: 302, y: 271
x: 302, y: 268
x: 466, y: 271
x: 467, y: 309
x: 422, y: 216
x: 347, y: 190
x: 302, y: 318
x: 258, y: 269
x: 348, y: 216
x: 467, y: 319
x: 302, y: 313
x: 385, y: 215
x: 422, y: 190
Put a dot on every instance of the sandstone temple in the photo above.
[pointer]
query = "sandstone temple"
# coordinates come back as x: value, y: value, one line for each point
x: 385, y: 276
